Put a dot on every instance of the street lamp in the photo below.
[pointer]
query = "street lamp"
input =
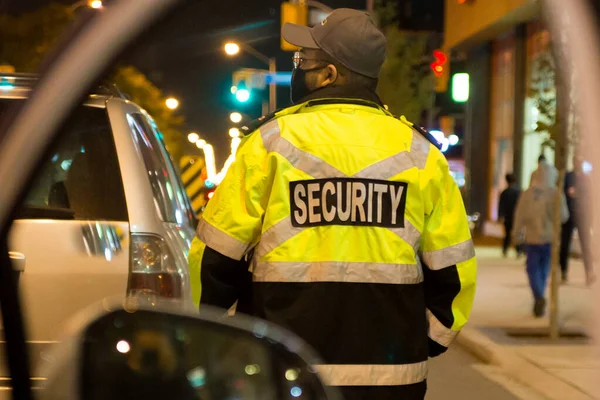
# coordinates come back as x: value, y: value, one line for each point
x: 234, y: 133
x: 232, y: 49
x: 95, y: 4
x: 193, y: 137
x: 200, y: 143
x: 172, y: 103
x: 235, y: 117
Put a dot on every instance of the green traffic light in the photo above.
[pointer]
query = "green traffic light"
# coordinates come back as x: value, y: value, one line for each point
x: 242, y: 95
x: 460, y: 87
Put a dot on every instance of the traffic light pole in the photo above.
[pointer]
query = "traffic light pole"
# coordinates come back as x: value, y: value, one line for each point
x: 271, y: 62
x: 272, y: 87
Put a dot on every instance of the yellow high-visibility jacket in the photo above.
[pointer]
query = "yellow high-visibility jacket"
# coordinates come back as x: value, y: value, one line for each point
x: 357, y: 236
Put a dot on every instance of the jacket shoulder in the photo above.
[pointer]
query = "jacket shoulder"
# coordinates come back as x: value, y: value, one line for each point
x: 421, y: 131
x: 257, y: 123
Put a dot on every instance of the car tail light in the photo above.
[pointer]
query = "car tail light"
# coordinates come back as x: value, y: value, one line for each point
x: 152, y: 268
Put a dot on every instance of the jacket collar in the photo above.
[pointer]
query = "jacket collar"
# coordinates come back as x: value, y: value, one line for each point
x: 343, y: 92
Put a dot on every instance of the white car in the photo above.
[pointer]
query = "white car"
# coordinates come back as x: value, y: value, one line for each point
x: 108, y: 216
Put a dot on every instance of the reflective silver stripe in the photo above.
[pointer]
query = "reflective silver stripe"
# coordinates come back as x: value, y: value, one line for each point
x: 438, y: 332
x: 372, y: 375
x: 318, y: 168
x: 275, y: 236
x: 410, y: 234
x: 388, y: 168
x: 270, y: 133
x: 220, y: 241
x: 419, y: 149
x: 306, y: 162
x: 440, y: 259
x: 333, y: 271
x: 398, y: 163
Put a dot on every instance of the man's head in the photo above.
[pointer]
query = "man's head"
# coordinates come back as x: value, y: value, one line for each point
x: 345, y: 49
x: 541, y: 159
x: 510, y: 179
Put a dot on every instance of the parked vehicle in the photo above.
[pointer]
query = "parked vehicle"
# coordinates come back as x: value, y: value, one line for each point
x: 105, y: 216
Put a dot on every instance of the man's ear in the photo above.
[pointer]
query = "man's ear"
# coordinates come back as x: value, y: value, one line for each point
x: 331, y: 77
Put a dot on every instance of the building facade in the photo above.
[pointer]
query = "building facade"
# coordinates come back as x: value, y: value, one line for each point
x: 502, y: 41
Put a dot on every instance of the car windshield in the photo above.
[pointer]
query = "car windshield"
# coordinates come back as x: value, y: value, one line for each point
x: 415, y: 180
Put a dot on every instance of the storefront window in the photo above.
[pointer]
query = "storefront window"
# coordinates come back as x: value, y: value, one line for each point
x: 537, y: 47
x: 502, y: 116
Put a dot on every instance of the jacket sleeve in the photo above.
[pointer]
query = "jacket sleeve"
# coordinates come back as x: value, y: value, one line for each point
x: 229, y: 228
x: 519, y: 221
x: 448, y: 255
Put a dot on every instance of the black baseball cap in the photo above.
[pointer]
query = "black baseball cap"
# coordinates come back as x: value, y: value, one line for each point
x: 348, y: 36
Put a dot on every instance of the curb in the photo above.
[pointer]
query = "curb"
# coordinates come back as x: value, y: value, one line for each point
x: 517, y: 367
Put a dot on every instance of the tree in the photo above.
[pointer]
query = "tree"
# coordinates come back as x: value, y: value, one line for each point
x: 27, y: 39
x: 542, y: 90
x: 145, y: 94
x: 406, y: 81
x: 556, y: 122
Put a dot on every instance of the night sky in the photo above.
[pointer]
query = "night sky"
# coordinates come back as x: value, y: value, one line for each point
x: 191, y: 64
x: 184, y: 57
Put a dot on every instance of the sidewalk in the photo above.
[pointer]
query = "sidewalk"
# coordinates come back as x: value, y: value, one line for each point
x: 502, y: 330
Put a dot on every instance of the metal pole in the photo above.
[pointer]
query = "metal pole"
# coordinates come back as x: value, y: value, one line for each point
x: 272, y: 87
x: 255, y: 53
x: 555, y: 264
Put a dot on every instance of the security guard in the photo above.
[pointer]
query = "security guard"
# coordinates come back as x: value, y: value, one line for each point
x: 356, y: 233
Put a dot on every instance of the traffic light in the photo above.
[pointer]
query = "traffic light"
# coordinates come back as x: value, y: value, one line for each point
x: 295, y: 14
x: 460, y: 87
x: 441, y: 70
x: 438, y: 65
x: 241, y: 93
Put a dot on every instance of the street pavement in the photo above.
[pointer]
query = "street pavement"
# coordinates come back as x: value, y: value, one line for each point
x: 456, y: 375
x: 502, y: 316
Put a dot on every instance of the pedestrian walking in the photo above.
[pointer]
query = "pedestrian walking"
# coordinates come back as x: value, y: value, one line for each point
x: 333, y: 199
x: 506, y: 211
x: 545, y: 172
x: 578, y: 194
x: 534, y: 219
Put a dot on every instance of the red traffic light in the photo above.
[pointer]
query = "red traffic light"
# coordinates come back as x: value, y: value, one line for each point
x: 438, y: 65
x: 440, y: 57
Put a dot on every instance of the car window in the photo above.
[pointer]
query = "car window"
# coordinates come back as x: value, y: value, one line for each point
x: 168, y: 192
x: 81, y: 178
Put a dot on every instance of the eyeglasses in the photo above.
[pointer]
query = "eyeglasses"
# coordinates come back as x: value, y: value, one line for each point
x: 299, y: 58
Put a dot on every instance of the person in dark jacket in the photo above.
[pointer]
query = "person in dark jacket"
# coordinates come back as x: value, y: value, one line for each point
x: 577, y: 192
x: 506, y: 210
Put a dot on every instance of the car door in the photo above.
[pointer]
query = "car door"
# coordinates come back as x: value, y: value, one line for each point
x: 156, y: 200
x: 71, y: 235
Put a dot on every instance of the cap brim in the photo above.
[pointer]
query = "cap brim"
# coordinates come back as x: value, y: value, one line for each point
x: 298, y: 35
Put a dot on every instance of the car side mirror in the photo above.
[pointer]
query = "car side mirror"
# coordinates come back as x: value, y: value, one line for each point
x: 127, y: 354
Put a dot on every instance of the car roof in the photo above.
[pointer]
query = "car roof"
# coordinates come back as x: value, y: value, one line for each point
x: 20, y: 85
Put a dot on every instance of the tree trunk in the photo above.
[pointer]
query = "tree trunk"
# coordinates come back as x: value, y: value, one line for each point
x: 555, y: 266
x: 561, y: 143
